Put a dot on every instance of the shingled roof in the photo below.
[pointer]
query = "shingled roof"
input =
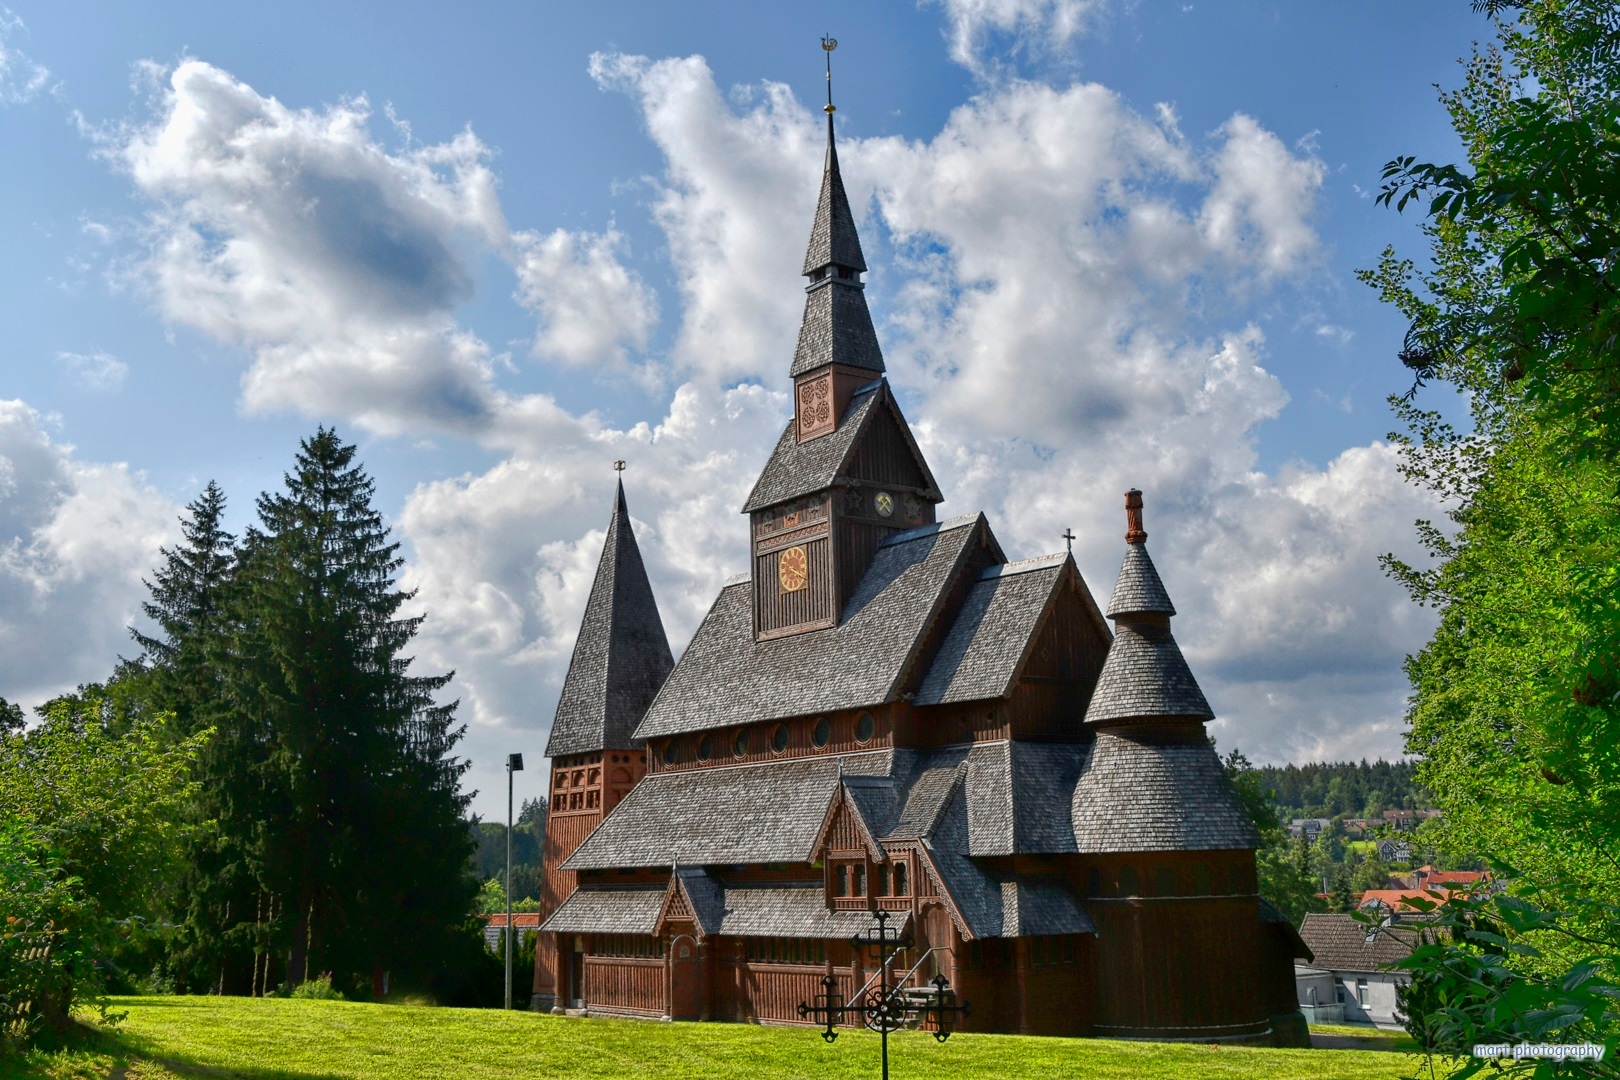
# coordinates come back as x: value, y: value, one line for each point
x: 1137, y: 795
x: 1138, y: 588
x: 1146, y: 677
x: 726, y: 678
x: 1339, y: 943
x: 608, y: 909
x: 796, y: 469
x: 770, y: 812
x: 778, y: 910
x: 836, y: 329
x: 833, y: 241
x: 621, y: 656
x: 994, y: 629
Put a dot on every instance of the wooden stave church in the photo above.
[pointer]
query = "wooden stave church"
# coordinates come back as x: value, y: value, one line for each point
x: 887, y: 713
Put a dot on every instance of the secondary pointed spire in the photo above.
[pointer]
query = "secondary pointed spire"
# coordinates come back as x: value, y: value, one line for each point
x: 621, y: 657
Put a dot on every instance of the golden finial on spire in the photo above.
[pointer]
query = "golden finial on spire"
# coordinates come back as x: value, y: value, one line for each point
x: 828, y: 44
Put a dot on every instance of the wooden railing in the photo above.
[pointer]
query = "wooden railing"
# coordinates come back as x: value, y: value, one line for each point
x: 633, y: 985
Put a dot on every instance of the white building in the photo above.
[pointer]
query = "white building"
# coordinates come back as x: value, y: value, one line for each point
x: 1352, y: 964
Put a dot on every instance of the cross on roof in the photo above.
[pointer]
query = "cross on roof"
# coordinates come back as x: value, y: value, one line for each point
x: 1068, y: 539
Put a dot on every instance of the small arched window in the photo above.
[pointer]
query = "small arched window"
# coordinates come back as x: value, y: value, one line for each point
x: 865, y: 727
x: 705, y: 747
x: 902, y: 886
x: 739, y: 744
x: 779, y: 738
x: 669, y: 751
x: 821, y: 734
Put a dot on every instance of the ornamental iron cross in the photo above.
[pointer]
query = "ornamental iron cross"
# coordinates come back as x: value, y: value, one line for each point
x: 884, y: 1008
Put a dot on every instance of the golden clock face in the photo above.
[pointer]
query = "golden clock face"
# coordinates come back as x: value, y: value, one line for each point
x: 884, y: 503
x: 793, y: 569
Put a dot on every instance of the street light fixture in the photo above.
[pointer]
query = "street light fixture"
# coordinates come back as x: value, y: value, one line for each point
x: 514, y: 764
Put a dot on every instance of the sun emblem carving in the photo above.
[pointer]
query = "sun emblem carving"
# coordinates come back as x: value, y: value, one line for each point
x: 793, y: 569
x: 884, y: 503
x: 815, y: 405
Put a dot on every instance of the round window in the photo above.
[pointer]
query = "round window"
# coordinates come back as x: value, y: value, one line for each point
x: 739, y: 745
x: 669, y: 751
x: 705, y: 747
x: 779, y: 738
x: 864, y: 727
x: 821, y: 733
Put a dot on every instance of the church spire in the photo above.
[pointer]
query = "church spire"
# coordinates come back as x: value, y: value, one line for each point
x: 621, y: 656
x: 837, y: 326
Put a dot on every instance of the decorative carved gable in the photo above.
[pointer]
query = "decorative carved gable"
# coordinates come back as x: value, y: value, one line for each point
x: 844, y: 833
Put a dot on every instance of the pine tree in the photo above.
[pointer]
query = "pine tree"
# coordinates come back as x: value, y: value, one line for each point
x: 361, y: 840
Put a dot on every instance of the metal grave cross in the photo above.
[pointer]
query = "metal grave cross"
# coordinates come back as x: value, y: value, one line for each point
x: 883, y: 1009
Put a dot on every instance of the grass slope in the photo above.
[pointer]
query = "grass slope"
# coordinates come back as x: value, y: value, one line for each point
x: 166, y: 1038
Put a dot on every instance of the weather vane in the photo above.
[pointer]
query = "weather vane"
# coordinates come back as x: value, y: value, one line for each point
x: 829, y: 44
x: 618, y: 466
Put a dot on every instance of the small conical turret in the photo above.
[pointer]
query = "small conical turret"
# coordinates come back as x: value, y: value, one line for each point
x: 1145, y: 676
x: 1152, y: 782
x: 621, y: 657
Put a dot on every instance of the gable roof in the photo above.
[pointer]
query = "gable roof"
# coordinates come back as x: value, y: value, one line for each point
x: 1340, y: 943
x: 796, y: 469
x: 621, y: 656
x: 993, y: 632
x: 1140, y: 796
x: 726, y: 678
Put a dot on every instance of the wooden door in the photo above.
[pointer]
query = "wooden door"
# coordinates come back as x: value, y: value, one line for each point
x: 685, y: 979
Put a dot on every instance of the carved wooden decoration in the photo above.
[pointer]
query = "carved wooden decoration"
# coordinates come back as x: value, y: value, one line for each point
x: 815, y: 407
x: 793, y: 569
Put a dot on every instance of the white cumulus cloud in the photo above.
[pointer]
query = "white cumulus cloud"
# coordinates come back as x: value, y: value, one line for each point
x: 75, y: 539
x: 338, y: 263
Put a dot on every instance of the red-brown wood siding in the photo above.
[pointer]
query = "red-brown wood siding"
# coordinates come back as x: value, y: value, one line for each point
x: 625, y: 984
x: 842, y: 727
x: 777, y: 612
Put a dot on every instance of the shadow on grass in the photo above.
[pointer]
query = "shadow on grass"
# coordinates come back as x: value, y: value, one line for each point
x: 111, y: 1053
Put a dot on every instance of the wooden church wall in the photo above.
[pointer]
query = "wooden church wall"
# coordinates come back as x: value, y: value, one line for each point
x: 1178, y: 941
x: 1050, y: 698
x: 630, y: 985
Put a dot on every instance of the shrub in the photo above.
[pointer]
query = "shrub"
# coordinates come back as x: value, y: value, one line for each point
x: 318, y: 989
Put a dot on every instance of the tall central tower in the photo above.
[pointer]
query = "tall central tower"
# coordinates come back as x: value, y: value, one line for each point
x: 846, y: 472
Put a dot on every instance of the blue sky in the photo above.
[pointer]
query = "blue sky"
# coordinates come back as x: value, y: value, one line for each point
x: 1111, y: 244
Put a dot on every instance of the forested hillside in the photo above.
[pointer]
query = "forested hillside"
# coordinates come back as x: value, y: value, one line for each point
x: 1347, y: 788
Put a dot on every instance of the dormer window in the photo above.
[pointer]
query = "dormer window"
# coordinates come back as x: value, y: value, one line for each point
x: 845, y: 273
x: 819, y: 275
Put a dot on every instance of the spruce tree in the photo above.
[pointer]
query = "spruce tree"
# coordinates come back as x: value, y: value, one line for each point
x: 360, y: 838
x: 182, y: 662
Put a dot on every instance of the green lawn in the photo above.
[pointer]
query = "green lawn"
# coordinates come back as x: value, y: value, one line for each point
x: 166, y: 1038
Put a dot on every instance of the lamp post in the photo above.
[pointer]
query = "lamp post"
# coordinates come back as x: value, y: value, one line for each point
x: 514, y: 764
